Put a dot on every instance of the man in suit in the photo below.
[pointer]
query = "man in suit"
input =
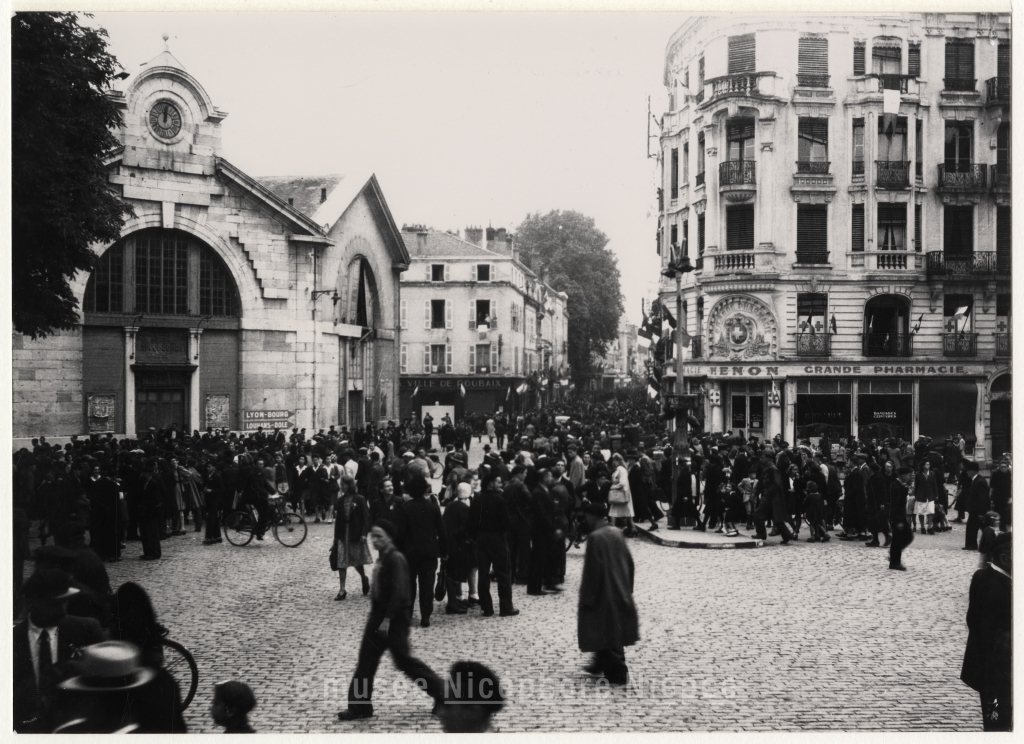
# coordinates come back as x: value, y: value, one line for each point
x: 901, y: 534
x: 542, y: 529
x: 387, y: 628
x: 978, y: 502
x: 422, y: 540
x: 44, y: 643
x: 988, y: 658
x: 519, y: 502
x: 854, y: 501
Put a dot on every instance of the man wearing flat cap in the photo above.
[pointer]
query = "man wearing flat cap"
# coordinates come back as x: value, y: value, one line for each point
x: 43, y: 644
x: 901, y: 533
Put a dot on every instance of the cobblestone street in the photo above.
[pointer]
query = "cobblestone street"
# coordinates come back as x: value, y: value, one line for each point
x: 776, y: 638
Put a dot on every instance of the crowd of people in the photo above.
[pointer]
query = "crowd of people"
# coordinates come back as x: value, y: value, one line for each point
x: 545, y: 478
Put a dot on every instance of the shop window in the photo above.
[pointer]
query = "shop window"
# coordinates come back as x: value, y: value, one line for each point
x: 859, y: 49
x: 741, y: 54
x: 960, y: 64
x: 811, y: 311
x: 739, y: 228
x: 958, y: 229
x: 957, y: 313
x: 857, y: 234
x: 892, y: 227
x: 948, y: 408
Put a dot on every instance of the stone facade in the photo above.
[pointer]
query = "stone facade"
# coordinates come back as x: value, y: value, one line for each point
x: 215, y: 306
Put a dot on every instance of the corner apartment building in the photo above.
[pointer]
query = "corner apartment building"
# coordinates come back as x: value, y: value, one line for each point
x: 474, y: 318
x: 842, y: 186
x: 617, y: 367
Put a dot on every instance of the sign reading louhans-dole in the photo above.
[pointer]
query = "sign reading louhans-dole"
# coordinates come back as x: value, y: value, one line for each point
x: 765, y: 371
x: 253, y: 420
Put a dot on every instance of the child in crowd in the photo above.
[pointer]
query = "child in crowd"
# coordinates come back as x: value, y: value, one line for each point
x: 747, y: 486
x: 814, y: 511
x: 989, y: 530
x: 232, y: 702
x: 732, y: 502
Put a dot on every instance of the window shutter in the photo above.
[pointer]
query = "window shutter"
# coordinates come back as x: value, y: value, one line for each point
x: 426, y: 359
x: 674, y: 184
x: 959, y: 59
x: 448, y: 314
x: 426, y: 315
x: 448, y: 358
x: 700, y: 74
x: 739, y: 228
x: 857, y: 238
x: 1003, y: 62
x: 1003, y: 223
x: 958, y: 230
x: 490, y: 273
x: 812, y: 56
x: 404, y: 316
x: 858, y: 57
x: 811, y: 228
x: 405, y: 359
x: 472, y: 359
x: 472, y: 316
x: 429, y: 275
x: 914, y: 60
x: 918, y: 246
x: 494, y: 318
x: 700, y: 234
x: 494, y: 359
x: 473, y: 269
x: 447, y: 273
x: 741, y: 54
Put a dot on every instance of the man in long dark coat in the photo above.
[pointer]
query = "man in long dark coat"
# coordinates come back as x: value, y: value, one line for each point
x: 104, y: 515
x: 773, y: 501
x: 877, y: 492
x: 854, y: 501
x: 607, y: 620
x: 898, y: 523
x: 979, y: 501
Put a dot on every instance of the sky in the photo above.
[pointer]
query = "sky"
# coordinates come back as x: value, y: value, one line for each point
x: 465, y: 118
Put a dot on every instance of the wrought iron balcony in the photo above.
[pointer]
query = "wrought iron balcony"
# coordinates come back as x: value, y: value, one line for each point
x: 806, y: 166
x: 997, y: 91
x: 962, y: 177
x: 698, y: 180
x: 942, y: 264
x: 809, y: 80
x: 814, y: 344
x: 887, y: 344
x: 1000, y: 176
x: 961, y: 84
x: 960, y: 344
x: 736, y: 173
x: 811, y: 257
x: 892, y: 174
x: 1003, y: 346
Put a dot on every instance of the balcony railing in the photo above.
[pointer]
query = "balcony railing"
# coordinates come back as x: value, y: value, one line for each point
x: 1003, y: 346
x: 887, y: 344
x: 736, y: 173
x: 962, y: 177
x: 698, y: 180
x: 858, y: 167
x: 997, y: 90
x: 892, y: 174
x: 806, y: 166
x: 814, y: 344
x: 1000, y: 176
x: 742, y: 84
x: 809, y: 80
x: 961, y: 84
x: 941, y: 263
x: 960, y: 344
x: 893, y: 82
x: 891, y: 261
x: 739, y: 261
x: 811, y: 257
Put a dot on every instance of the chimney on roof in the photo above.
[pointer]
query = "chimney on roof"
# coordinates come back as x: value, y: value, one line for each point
x: 421, y: 240
x: 323, y: 195
x: 291, y: 201
x: 474, y: 235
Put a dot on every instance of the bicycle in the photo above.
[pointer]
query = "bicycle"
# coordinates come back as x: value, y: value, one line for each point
x: 289, y: 528
x: 179, y: 662
x: 575, y: 533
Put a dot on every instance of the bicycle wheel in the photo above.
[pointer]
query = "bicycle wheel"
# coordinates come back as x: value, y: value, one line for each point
x: 179, y: 662
x: 238, y: 528
x: 290, y: 530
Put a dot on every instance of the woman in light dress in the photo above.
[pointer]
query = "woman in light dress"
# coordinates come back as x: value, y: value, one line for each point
x: 620, y: 483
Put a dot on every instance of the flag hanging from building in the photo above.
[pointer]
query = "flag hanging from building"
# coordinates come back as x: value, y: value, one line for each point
x: 654, y: 324
x: 509, y: 393
x: 522, y: 388
x: 415, y: 391
x: 462, y: 390
x: 832, y: 324
x: 667, y: 315
x: 653, y: 385
x: 643, y: 336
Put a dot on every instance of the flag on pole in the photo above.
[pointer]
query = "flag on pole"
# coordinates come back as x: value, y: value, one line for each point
x: 643, y: 336
x: 415, y: 391
x: 962, y: 313
x: 655, y: 328
x: 509, y: 393
x: 653, y: 385
x: 810, y: 322
x: 522, y: 388
x: 832, y: 324
x: 667, y: 315
x: 462, y: 390
x: 684, y: 338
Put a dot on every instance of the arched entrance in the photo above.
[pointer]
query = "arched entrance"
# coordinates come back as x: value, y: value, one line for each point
x: 366, y: 392
x: 887, y: 326
x: 1002, y: 416
x: 160, y: 336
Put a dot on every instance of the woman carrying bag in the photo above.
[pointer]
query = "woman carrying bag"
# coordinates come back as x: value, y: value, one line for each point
x: 620, y: 500
x: 351, y: 531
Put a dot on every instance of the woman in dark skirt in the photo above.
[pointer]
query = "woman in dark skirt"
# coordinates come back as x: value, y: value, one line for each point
x: 351, y: 530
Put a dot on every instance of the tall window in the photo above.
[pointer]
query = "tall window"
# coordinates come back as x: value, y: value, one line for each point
x: 1003, y: 63
x: 674, y: 183
x: 686, y: 238
x: 739, y: 228
x: 812, y: 145
x: 887, y: 61
x: 859, y: 49
x: 740, y: 135
x: 958, y: 146
x: 1003, y: 150
x: 741, y: 54
x: 858, y: 147
x: 163, y: 261
x: 811, y: 233
x: 1003, y: 242
x: 914, y: 59
x: 700, y: 235
x: 957, y: 313
x: 958, y: 229
x: 700, y: 159
x: 918, y: 243
x: 892, y: 138
x: 960, y: 64
x: 700, y: 74
x: 812, y: 62
x: 857, y: 233
x: 686, y: 163
x: 437, y: 272
x: 674, y: 239
x: 892, y: 227
x: 918, y: 148
x: 811, y: 311
x: 437, y: 313
x: 480, y: 315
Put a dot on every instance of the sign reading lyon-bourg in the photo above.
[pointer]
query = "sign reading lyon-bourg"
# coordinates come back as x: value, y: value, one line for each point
x: 253, y: 420
x: 833, y: 370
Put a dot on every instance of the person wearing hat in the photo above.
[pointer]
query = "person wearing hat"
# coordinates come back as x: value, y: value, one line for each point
x: 979, y: 501
x: 988, y: 658
x: 473, y: 695
x: 607, y: 619
x: 44, y: 643
x: 814, y: 511
x: 854, y: 500
x: 113, y: 692
x: 423, y: 541
x: 902, y: 536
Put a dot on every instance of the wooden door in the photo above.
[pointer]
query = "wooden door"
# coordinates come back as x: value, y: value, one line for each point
x: 158, y: 408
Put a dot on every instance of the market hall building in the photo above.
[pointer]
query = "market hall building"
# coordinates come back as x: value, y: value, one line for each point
x: 227, y: 301
x: 841, y: 187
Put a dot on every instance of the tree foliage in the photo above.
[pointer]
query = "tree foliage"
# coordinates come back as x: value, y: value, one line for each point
x: 61, y: 124
x: 573, y: 251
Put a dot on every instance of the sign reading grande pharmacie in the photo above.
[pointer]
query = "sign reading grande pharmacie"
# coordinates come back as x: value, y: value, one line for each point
x: 756, y: 371
x: 253, y: 420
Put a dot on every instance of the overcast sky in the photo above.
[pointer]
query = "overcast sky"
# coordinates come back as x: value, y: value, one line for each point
x: 472, y: 118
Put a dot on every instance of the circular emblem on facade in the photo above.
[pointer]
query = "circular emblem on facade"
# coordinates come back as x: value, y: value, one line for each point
x: 742, y: 328
x: 165, y: 120
x: 738, y: 333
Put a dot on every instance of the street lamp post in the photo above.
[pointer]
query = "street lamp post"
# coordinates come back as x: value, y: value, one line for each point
x: 681, y: 402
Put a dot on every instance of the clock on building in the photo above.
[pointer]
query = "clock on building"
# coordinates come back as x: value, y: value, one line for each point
x: 165, y: 120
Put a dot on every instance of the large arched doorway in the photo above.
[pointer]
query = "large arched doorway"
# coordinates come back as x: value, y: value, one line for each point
x: 363, y: 369
x: 886, y: 326
x: 160, y: 336
x: 1002, y: 416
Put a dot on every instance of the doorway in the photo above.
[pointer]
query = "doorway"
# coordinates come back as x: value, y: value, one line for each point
x: 747, y: 411
x: 158, y: 408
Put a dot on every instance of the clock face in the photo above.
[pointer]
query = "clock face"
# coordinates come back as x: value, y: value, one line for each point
x: 165, y: 119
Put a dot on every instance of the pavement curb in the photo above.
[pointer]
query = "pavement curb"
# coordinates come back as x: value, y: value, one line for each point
x: 739, y: 545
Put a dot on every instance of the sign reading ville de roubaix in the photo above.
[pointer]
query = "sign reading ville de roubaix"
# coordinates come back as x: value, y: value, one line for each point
x: 833, y: 370
x: 253, y: 420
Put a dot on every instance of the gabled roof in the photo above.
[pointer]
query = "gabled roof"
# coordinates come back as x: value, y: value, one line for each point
x: 440, y: 244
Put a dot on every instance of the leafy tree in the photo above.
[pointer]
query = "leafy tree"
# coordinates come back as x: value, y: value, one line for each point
x: 61, y: 124
x: 572, y: 250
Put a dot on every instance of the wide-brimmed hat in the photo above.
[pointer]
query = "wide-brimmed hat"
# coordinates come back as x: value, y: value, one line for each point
x: 108, y: 666
x: 49, y: 583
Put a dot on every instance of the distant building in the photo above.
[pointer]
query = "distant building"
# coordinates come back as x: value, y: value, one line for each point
x: 202, y: 312
x: 477, y: 324
x: 619, y: 364
x: 841, y: 184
